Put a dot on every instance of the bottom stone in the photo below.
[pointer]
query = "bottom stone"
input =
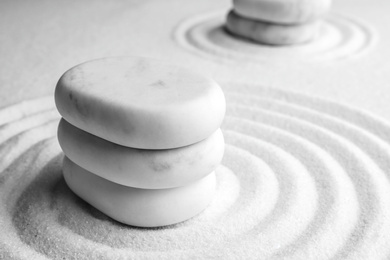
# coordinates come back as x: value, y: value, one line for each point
x: 140, y: 207
x: 271, y: 33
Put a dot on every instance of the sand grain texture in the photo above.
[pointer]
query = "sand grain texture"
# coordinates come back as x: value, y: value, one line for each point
x: 302, y: 178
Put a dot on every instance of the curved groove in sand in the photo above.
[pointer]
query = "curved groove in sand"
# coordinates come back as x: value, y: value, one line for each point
x: 301, y: 177
x: 340, y: 37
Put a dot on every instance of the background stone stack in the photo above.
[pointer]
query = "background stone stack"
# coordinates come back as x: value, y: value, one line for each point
x: 141, y: 138
x: 277, y: 22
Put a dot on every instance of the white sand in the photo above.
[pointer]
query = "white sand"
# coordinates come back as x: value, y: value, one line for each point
x: 302, y: 178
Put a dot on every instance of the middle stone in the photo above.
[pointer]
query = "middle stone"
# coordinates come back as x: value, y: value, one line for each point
x: 141, y: 168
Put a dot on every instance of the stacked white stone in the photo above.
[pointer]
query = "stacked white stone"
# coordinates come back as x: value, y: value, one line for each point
x: 141, y: 138
x: 277, y: 22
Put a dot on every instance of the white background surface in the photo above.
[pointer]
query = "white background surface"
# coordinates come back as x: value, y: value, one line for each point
x: 41, y: 39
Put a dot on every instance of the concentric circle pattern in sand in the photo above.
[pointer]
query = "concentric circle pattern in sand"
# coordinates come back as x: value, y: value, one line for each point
x: 302, y: 178
x: 340, y: 37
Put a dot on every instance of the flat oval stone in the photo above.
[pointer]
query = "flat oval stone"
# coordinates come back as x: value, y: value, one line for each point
x: 282, y: 11
x: 140, y: 207
x: 269, y: 33
x: 140, y: 103
x: 140, y: 168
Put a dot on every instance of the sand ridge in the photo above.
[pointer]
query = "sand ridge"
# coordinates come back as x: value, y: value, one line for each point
x: 340, y: 37
x: 302, y: 177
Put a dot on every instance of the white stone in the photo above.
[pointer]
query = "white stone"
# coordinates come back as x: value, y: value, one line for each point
x: 140, y: 103
x: 282, y: 11
x: 140, y: 207
x: 149, y: 169
x: 269, y: 33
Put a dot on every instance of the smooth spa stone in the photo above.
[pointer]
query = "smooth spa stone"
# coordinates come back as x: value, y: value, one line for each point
x: 140, y: 103
x: 140, y: 207
x: 271, y: 34
x: 282, y: 11
x: 140, y: 168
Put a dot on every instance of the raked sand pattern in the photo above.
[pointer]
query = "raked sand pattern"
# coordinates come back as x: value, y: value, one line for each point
x: 340, y: 37
x: 302, y: 178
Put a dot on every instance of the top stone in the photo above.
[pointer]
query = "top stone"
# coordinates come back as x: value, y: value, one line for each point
x: 140, y: 103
